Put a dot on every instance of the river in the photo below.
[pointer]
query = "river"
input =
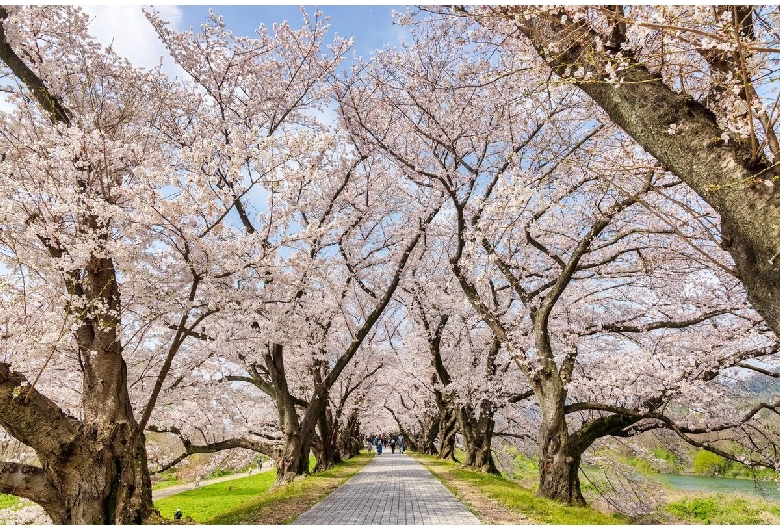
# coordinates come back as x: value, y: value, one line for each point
x: 767, y: 490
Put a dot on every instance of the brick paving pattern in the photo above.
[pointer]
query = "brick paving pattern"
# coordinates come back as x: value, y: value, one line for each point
x: 391, y: 489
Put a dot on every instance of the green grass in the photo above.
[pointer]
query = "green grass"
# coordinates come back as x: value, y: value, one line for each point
x: 252, y: 499
x: 725, y: 509
x: 288, y: 501
x: 6, y: 501
x: 517, y: 498
x: 166, y: 480
x: 205, y: 503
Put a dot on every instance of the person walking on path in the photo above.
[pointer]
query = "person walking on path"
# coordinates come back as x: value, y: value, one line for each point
x: 401, y: 443
x: 409, y: 495
x: 392, y: 445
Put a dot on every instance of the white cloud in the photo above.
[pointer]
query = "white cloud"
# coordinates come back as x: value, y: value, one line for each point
x: 132, y: 36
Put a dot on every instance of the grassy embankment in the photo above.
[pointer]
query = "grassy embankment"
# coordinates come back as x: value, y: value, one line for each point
x: 522, y: 503
x: 684, y: 506
x: 724, y: 509
x: 252, y: 500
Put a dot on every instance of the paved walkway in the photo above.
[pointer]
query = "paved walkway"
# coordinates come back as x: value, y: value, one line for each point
x: 391, y: 489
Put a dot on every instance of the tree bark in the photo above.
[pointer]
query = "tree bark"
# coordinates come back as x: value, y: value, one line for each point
x: 349, y: 441
x: 91, y: 472
x: 477, y: 437
x: 448, y: 427
x: 328, y: 454
x: 558, y: 465
x: 291, y: 462
x: 477, y: 432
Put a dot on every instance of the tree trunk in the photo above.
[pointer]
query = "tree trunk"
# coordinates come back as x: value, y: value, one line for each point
x: 448, y: 427
x: 477, y: 437
x: 92, y: 472
x: 478, y: 432
x: 349, y: 441
x: 106, y: 481
x: 290, y: 463
x: 427, y: 444
x: 328, y: 455
x: 558, y: 467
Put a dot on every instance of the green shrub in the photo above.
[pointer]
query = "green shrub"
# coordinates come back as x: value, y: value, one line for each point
x: 706, y: 463
x: 219, y: 472
x: 643, y: 466
x: 6, y: 501
x: 666, y: 455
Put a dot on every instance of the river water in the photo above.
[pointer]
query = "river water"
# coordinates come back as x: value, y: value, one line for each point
x: 766, y: 490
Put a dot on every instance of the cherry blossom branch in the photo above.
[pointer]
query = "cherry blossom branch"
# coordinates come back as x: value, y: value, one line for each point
x: 541, y: 316
x: 400, y: 267
x: 178, y: 340
x: 660, y: 324
x: 38, y: 89
x: 574, y: 407
x: 644, y: 106
x: 351, y: 389
x: 520, y: 397
x: 266, y: 448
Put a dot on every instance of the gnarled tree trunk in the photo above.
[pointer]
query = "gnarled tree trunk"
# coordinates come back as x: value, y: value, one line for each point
x: 93, y: 471
x: 349, y: 441
x: 478, y: 436
x: 291, y: 463
x: 558, y: 463
x: 448, y: 427
x: 328, y: 453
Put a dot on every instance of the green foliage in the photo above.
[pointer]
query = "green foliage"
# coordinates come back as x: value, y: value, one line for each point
x: 662, y: 453
x: 642, y: 465
x: 725, y: 509
x: 220, y: 472
x: 526, y: 467
x: 207, y: 502
x: 706, y: 463
x: 517, y: 498
x: 6, y: 501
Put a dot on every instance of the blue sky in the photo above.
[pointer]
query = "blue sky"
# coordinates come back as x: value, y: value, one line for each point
x: 126, y: 28
x: 371, y: 25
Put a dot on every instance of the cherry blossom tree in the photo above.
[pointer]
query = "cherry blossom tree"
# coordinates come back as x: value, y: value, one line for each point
x: 693, y: 86
x: 471, y: 382
x: 126, y: 233
x: 79, y: 165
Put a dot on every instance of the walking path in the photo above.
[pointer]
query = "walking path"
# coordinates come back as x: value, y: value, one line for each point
x: 391, y: 489
x: 179, y: 488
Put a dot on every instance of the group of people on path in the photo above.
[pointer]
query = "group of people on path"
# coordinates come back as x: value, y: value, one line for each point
x: 380, y: 442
